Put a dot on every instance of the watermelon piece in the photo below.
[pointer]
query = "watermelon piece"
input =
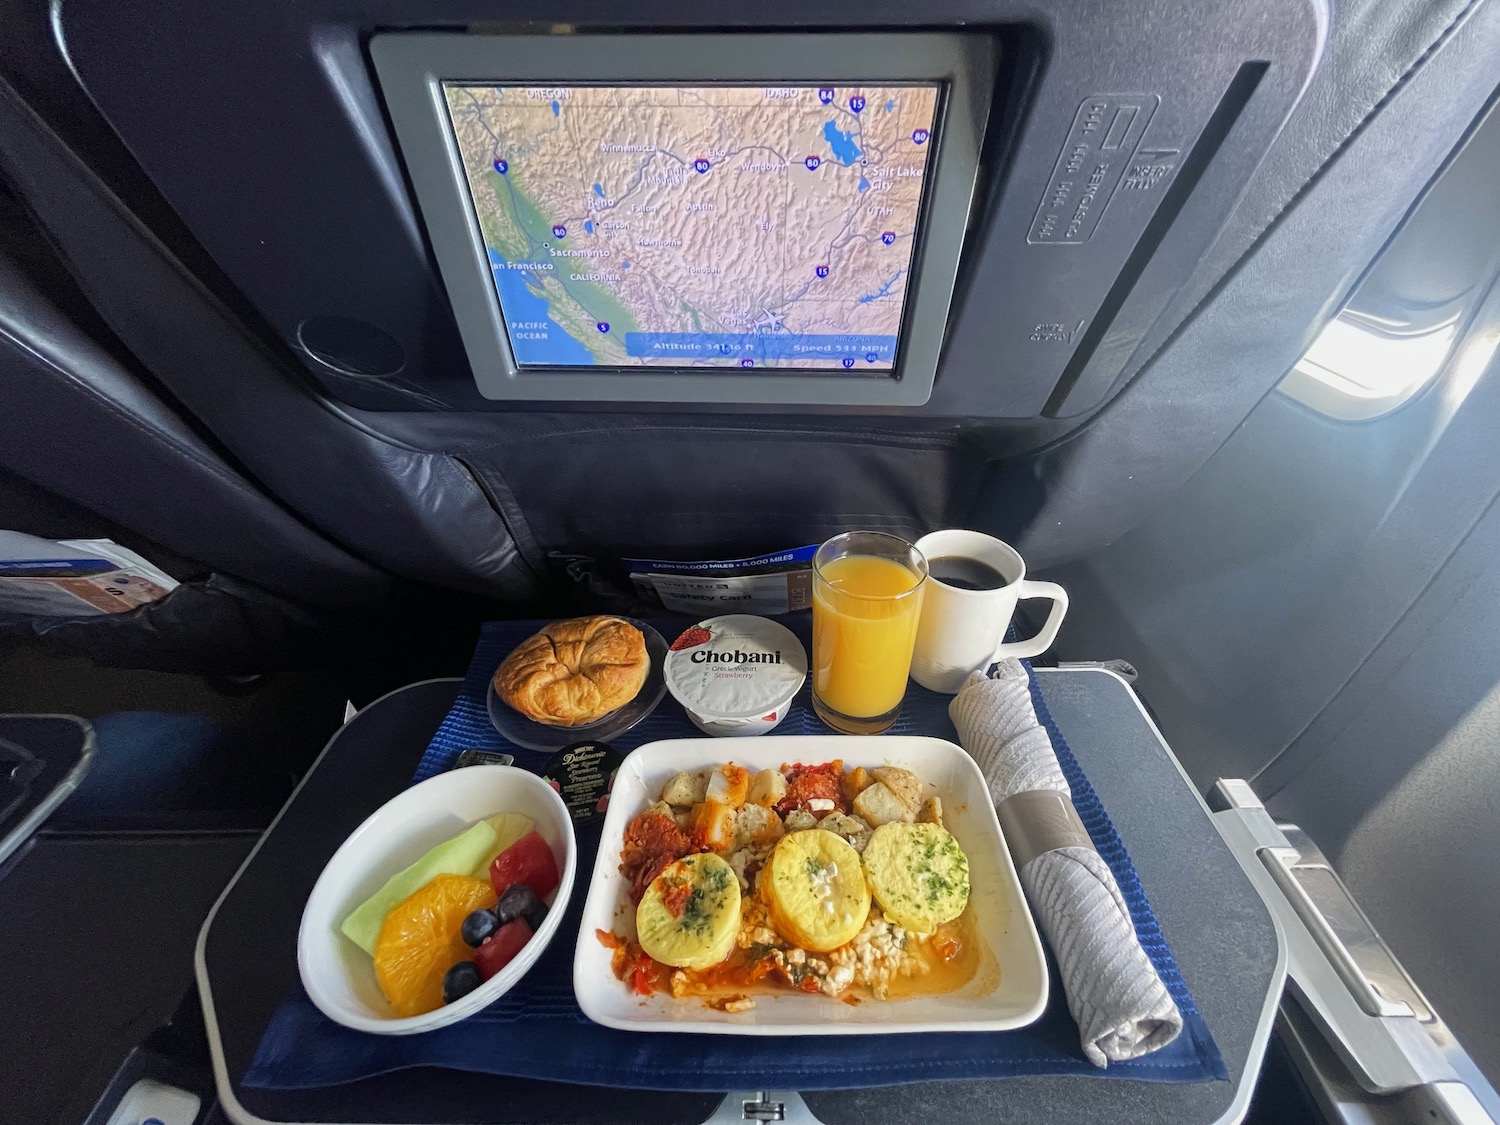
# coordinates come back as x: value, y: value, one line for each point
x: 529, y: 860
x: 501, y: 949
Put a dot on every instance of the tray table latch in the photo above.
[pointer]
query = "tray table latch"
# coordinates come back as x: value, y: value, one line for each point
x: 762, y: 1109
x: 785, y: 1106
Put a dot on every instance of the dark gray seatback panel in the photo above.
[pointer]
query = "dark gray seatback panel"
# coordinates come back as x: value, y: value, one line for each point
x: 1397, y: 781
x: 648, y: 486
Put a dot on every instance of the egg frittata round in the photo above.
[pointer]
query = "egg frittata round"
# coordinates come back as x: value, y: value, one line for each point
x: 918, y: 874
x: 690, y: 914
x: 815, y: 890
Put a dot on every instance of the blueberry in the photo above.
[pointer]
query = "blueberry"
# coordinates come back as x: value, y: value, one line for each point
x: 460, y: 980
x: 477, y: 927
x: 519, y: 901
x: 534, y: 916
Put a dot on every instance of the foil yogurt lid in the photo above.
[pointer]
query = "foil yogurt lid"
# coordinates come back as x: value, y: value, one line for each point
x: 735, y: 667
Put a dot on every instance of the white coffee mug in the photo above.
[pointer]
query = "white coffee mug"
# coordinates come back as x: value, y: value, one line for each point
x: 962, y: 631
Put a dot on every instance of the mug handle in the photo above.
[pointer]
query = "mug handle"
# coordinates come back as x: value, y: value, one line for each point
x: 1038, y: 644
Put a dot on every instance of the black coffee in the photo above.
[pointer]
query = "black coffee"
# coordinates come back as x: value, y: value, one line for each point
x: 965, y: 573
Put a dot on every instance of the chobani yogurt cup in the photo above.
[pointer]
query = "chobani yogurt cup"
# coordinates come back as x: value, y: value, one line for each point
x: 736, y: 675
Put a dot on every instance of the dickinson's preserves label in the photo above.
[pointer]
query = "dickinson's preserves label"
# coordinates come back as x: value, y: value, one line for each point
x: 583, y: 774
x: 736, y: 674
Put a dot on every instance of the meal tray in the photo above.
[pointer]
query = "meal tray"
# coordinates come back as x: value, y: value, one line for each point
x: 538, y: 1031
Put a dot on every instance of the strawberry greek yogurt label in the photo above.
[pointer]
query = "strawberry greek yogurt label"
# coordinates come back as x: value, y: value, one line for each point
x: 736, y: 667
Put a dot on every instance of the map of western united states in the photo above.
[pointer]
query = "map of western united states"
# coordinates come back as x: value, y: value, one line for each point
x: 717, y: 226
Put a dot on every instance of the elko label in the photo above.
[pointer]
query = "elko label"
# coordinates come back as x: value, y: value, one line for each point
x: 1101, y: 144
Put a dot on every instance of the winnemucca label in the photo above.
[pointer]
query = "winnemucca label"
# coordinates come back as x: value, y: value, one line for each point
x: 708, y: 656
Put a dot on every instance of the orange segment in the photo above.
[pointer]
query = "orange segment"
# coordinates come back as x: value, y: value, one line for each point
x: 420, y: 941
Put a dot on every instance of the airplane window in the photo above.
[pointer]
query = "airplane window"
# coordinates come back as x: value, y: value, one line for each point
x: 1357, y: 369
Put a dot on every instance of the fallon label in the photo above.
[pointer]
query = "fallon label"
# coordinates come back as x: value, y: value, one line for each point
x: 738, y: 666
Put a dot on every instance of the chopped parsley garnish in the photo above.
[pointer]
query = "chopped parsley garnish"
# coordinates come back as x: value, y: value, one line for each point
x: 706, y: 898
x: 695, y: 913
x: 718, y: 878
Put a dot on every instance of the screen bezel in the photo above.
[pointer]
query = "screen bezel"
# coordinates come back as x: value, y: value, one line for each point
x: 413, y: 68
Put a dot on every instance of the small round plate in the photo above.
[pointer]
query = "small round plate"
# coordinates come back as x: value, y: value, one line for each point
x: 516, y: 727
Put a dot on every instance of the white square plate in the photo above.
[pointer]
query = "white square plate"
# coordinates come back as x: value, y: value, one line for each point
x: 1004, y: 920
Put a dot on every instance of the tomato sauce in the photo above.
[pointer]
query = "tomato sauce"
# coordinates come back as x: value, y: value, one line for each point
x: 653, y: 842
x: 954, y: 956
x: 805, y: 784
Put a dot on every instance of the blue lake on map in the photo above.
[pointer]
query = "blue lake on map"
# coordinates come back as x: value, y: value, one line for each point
x: 864, y: 184
x: 842, y: 144
x: 883, y: 291
x: 599, y: 190
x: 520, y: 303
x: 556, y: 109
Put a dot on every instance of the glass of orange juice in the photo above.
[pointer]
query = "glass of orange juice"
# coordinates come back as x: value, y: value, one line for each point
x: 867, y: 597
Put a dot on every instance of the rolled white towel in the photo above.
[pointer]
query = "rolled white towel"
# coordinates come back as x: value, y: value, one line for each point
x: 1122, y: 1008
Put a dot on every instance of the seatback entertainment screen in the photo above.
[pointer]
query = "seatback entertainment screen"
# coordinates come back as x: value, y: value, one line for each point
x: 699, y: 226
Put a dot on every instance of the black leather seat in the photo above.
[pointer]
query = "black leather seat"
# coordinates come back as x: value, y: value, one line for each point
x: 89, y: 450
x: 77, y: 422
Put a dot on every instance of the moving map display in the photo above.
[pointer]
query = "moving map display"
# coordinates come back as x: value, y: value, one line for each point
x: 716, y: 226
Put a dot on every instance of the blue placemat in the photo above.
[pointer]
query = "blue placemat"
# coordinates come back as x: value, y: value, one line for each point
x: 538, y: 1031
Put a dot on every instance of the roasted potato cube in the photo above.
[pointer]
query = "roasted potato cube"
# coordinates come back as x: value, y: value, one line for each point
x: 855, y: 782
x: 757, y: 824
x: 851, y: 828
x: 906, y: 785
x: 877, y: 805
x: 800, y: 820
x: 686, y: 789
x: 663, y: 808
x: 931, y: 812
x: 728, y: 785
x: 767, y: 788
x: 713, y: 824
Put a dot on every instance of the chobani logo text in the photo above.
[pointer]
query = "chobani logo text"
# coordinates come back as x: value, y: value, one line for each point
x: 709, y: 656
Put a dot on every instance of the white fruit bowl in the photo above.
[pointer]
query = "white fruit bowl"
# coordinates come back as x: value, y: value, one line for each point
x: 338, y: 975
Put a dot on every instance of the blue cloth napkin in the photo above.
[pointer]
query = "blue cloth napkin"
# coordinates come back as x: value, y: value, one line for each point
x: 537, y: 1030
